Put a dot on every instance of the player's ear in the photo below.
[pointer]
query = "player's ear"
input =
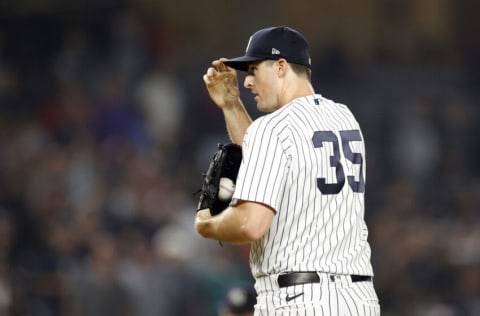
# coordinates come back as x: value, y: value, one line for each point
x: 282, y: 66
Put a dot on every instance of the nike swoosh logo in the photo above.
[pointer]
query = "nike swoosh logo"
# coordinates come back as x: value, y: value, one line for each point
x: 288, y: 298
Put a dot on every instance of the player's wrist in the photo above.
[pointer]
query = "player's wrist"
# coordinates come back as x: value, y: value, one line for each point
x: 232, y: 104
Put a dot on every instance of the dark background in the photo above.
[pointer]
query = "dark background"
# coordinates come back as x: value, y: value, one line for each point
x: 105, y: 129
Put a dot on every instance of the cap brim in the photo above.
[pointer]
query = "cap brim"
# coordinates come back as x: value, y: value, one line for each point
x: 241, y: 63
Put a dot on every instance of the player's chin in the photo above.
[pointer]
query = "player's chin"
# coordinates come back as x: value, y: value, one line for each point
x: 265, y: 108
x: 260, y: 105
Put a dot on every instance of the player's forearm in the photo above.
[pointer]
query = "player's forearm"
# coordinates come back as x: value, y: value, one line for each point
x: 229, y: 226
x: 237, y: 120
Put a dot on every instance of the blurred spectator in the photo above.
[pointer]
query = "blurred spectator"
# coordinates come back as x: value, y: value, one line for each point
x: 117, y: 123
x: 6, y: 247
x: 154, y: 289
x: 161, y: 100
x: 97, y: 288
x: 415, y: 151
x: 239, y: 300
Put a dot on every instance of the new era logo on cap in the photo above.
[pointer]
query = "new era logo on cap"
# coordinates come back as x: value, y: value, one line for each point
x: 273, y: 43
x: 275, y: 51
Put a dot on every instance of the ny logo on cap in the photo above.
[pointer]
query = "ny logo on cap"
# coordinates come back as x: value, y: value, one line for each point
x: 275, y: 51
x: 248, y: 45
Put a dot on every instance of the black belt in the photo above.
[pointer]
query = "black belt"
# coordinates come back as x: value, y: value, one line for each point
x: 295, y: 278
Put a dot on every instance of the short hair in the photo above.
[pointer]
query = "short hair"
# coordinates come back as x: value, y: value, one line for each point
x: 302, y: 71
x: 299, y: 70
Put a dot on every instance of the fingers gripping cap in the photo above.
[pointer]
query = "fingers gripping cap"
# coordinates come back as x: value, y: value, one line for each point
x: 274, y: 43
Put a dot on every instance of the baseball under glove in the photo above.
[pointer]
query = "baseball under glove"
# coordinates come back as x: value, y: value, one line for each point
x: 223, y: 170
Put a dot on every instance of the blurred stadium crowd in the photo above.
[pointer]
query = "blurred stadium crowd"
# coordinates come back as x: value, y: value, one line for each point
x: 104, y: 135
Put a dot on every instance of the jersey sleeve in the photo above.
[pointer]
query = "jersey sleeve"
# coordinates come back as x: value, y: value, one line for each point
x: 264, y: 169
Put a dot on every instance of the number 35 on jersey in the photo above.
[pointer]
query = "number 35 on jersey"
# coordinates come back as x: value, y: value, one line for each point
x: 341, y: 148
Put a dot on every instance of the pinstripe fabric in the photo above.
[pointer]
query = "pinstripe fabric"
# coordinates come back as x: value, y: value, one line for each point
x: 311, y: 231
x: 334, y: 295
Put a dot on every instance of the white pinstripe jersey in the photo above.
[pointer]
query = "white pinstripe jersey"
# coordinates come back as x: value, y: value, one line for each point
x: 307, y: 161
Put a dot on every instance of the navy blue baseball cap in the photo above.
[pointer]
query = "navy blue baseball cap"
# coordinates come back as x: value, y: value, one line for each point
x: 273, y: 43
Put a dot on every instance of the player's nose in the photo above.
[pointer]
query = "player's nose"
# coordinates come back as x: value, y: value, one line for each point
x: 248, y: 82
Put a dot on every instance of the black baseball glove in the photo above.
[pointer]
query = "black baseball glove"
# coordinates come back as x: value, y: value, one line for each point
x: 225, y: 164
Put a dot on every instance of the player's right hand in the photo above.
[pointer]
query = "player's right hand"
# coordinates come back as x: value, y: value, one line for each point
x: 222, y: 84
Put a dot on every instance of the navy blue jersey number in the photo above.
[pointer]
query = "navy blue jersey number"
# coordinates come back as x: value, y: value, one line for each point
x: 321, y: 137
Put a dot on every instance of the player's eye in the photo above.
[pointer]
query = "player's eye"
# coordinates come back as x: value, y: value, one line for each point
x: 252, y: 70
